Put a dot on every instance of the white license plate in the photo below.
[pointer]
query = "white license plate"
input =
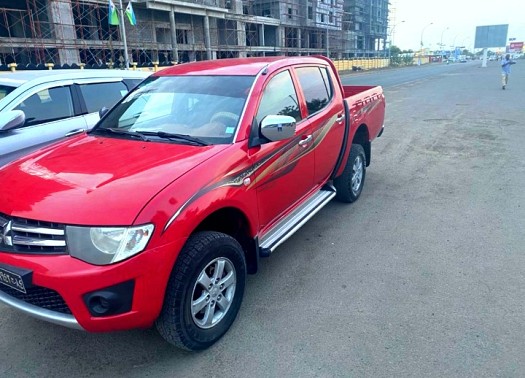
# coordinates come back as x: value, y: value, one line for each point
x: 12, y: 280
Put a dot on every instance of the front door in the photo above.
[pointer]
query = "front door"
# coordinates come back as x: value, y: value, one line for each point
x: 285, y: 168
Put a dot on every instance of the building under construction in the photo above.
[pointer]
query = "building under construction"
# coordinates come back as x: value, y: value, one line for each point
x: 78, y: 31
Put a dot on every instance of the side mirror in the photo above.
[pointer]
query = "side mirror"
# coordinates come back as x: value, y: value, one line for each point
x: 102, y: 112
x: 11, y: 119
x: 278, y: 127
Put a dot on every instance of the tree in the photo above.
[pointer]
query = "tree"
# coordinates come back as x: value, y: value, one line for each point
x: 394, y: 51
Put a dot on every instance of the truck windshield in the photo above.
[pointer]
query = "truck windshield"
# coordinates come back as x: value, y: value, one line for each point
x: 207, y: 108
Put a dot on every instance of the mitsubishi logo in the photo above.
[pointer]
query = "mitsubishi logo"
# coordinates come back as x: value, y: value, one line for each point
x: 5, y: 233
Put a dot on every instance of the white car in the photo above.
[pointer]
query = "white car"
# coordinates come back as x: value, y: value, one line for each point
x: 40, y: 107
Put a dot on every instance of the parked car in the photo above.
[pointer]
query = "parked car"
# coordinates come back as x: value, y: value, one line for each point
x: 55, y: 104
x: 157, y: 214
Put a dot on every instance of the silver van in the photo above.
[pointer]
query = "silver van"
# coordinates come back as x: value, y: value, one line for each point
x: 40, y: 107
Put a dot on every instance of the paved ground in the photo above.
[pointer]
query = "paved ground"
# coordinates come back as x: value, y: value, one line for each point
x: 423, y: 276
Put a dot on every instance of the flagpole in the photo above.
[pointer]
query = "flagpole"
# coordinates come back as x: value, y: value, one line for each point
x: 123, y: 32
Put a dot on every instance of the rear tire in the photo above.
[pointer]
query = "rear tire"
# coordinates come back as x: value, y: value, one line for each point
x: 204, y: 292
x: 350, y: 184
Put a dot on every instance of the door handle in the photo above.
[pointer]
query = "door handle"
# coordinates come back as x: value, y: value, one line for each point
x: 340, y: 118
x: 74, y: 132
x: 304, y: 142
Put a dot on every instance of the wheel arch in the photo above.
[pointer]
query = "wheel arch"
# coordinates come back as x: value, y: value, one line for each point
x: 233, y: 222
x: 362, y: 137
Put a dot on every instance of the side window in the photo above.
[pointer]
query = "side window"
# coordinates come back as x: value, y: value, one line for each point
x: 327, y: 82
x: 279, y: 98
x: 316, y: 87
x: 47, y: 105
x: 98, y: 95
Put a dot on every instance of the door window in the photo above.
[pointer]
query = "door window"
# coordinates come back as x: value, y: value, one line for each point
x: 279, y: 98
x: 47, y: 105
x: 112, y: 93
x: 315, y: 86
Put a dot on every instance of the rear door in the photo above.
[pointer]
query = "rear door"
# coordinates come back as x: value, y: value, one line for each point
x: 326, y: 116
x: 96, y: 95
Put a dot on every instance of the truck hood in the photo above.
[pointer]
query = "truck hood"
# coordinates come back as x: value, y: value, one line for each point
x: 94, y: 180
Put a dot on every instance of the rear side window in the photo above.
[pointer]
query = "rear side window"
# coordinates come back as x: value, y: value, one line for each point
x: 5, y: 90
x: 316, y: 87
x: 279, y: 98
x: 99, y: 95
x: 47, y: 105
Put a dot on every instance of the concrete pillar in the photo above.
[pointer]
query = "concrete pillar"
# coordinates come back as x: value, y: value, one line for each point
x: 241, y: 38
x: 61, y: 16
x: 261, y: 38
x: 174, y: 47
x: 327, y: 43
x: 207, y: 42
x: 261, y: 35
x: 307, y: 40
x: 279, y: 38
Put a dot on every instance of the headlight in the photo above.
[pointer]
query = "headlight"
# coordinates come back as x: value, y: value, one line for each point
x: 107, y: 245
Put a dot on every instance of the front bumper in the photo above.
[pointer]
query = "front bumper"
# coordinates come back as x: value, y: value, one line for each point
x: 62, y: 288
x: 55, y: 317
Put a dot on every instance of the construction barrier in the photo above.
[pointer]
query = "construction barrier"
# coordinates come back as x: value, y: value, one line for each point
x: 344, y: 65
x: 360, y: 64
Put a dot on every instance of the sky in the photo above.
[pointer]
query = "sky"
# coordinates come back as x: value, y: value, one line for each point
x: 451, y: 22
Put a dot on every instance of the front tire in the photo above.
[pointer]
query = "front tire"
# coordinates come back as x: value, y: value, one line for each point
x: 204, y: 292
x: 350, y: 184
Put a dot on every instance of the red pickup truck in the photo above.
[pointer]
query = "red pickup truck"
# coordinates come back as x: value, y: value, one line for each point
x: 157, y: 214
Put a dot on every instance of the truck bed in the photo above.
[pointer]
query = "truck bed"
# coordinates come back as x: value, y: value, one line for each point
x: 366, y: 104
x: 352, y: 90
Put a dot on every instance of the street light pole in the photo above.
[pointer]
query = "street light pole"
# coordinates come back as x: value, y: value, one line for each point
x: 441, y: 41
x: 123, y: 28
x: 393, y: 29
x: 454, y: 47
x: 421, y: 42
x: 422, y: 31
x: 391, y: 40
x: 454, y: 42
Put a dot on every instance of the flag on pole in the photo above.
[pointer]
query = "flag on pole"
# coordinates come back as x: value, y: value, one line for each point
x: 113, y: 14
x: 131, y: 14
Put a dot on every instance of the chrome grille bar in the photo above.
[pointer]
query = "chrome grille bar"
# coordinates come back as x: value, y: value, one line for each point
x: 38, y: 230
x: 20, y: 235
x: 31, y: 241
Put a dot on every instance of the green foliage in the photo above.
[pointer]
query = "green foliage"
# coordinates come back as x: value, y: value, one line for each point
x: 396, y: 60
x: 408, y: 60
x: 395, y: 51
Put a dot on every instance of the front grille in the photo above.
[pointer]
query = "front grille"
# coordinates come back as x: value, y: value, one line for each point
x: 31, y: 236
x: 40, y: 297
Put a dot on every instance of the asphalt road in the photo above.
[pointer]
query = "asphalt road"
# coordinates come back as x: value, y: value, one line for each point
x: 423, y: 276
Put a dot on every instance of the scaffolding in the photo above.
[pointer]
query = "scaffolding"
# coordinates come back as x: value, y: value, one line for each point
x: 34, y: 32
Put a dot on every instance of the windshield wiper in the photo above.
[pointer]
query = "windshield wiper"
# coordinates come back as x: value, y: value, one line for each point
x: 174, y: 136
x: 111, y: 130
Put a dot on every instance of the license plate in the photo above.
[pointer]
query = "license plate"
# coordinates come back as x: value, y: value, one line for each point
x: 18, y: 281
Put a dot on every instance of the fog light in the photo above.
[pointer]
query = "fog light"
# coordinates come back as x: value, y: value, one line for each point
x: 112, y: 300
x: 102, y: 303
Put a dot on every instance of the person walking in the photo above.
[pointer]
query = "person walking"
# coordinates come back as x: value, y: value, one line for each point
x: 505, y: 70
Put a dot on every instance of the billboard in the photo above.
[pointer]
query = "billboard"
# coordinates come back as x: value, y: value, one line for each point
x: 491, y: 36
x: 516, y: 47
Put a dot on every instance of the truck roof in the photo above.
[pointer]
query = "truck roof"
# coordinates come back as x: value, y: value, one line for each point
x: 237, y: 66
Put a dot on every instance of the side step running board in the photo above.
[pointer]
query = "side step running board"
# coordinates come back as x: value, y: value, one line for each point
x: 292, y: 222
